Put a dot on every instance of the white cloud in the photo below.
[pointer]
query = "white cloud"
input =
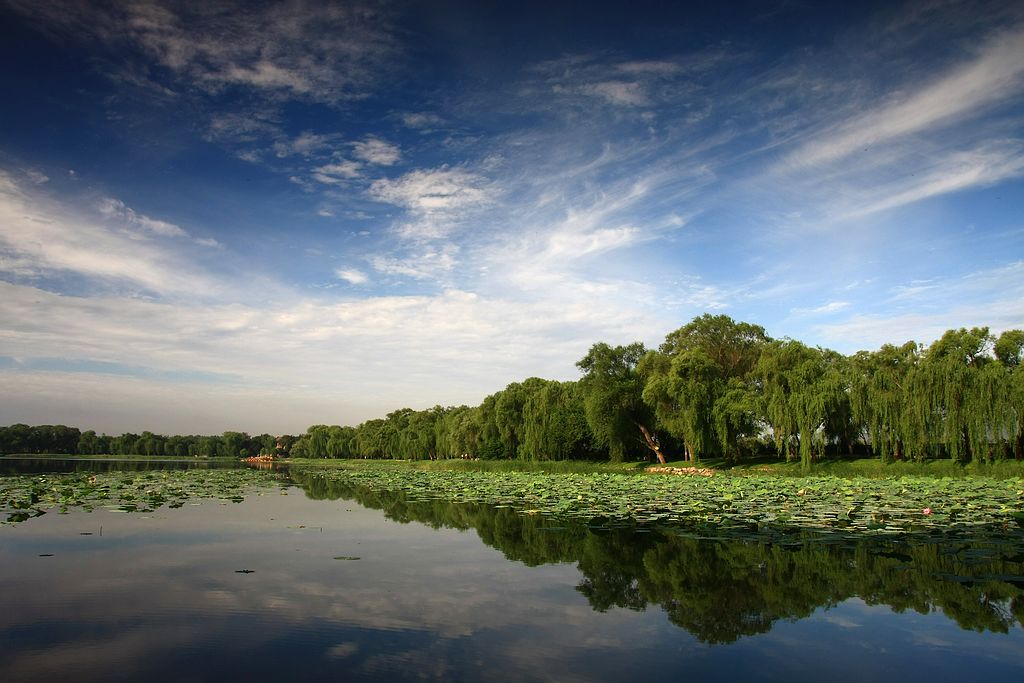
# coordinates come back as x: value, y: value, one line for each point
x: 429, y: 263
x: 987, y: 166
x: 338, y: 172
x: 656, y: 67
x: 994, y: 76
x: 437, y: 200
x: 316, y: 51
x: 305, y: 144
x: 830, y: 307
x: 618, y: 92
x: 422, y: 120
x: 115, y: 208
x: 571, y: 244
x: 376, y: 151
x: 246, y: 127
x: 633, y: 83
x: 134, y: 221
x: 37, y: 177
x: 40, y: 238
x: 352, y: 276
x: 262, y: 74
x: 985, y: 298
x: 434, y: 190
x: 398, y: 350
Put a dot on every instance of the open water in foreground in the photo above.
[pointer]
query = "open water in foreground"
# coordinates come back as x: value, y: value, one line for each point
x: 337, y: 583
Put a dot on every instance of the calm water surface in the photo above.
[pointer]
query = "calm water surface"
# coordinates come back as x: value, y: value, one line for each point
x: 323, y: 583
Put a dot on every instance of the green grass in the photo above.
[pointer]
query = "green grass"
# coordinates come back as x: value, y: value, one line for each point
x: 877, y: 469
x: 545, y: 467
x: 863, y: 467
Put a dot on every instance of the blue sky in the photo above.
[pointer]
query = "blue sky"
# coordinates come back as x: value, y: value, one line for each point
x: 266, y: 216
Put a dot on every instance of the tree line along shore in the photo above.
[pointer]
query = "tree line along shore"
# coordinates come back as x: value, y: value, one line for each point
x: 716, y: 388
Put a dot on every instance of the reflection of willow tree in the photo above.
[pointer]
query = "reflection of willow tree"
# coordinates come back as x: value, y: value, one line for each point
x: 720, y: 590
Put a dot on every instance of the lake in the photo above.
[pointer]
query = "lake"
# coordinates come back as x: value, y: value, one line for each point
x: 278, y: 575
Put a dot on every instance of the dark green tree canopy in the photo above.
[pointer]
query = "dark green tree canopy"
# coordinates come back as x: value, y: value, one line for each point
x: 698, y: 383
x: 613, y: 399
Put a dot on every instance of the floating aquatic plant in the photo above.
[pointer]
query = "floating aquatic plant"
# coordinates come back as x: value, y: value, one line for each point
x: 25, y: 496
x: 715, y: 504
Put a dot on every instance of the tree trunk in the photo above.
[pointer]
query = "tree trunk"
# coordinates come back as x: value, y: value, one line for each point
x: 652, y: 443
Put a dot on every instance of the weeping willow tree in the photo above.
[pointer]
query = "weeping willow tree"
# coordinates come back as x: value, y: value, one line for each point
x: 736, y: 416
x: 612, y: 398
x: 556, y: 424
x: 800, y: 386
x: 458, y: 432
x: 958, y: 386
x: 840, y: 428
x: 880, y: 397
x: 1009, y: 351
x: 697, y: 383
x: 489, y: 444
x: 682, y: 390
x: 970, y: 393
x: 508, y: 412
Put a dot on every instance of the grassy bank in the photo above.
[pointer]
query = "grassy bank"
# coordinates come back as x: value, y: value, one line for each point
x: 847, y: 468
x: 872, y: 468
x: 877, y: 469
x: 544, y: 467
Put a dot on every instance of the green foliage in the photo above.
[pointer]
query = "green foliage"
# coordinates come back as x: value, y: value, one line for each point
x: 1009, y: 348
x: 613, y: 397
x: 699, y: 384
x: 555, y: 424
x: 799, y: 386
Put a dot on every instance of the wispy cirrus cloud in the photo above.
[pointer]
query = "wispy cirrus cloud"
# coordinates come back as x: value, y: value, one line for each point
x: 436, y: 200
x: 848, y: 150
x: 433, y: 190
x: 116, y: 209
x: 627, y: 93
x: 140, y: 224
x: 321, y: 52
x: 993, y: 75
x: 826, y: 308
x: 40, y: 238
x: 425, y: 263
x: 627, y: 84
x: 988, y: 297
x: 981, y: 167
x: 305, y: 144
x: 423, y: 121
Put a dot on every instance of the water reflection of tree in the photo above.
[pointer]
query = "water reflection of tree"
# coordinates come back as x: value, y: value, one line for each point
x: 720, y: 590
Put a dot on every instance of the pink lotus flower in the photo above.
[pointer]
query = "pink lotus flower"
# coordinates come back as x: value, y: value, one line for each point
x: 927, y: 511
